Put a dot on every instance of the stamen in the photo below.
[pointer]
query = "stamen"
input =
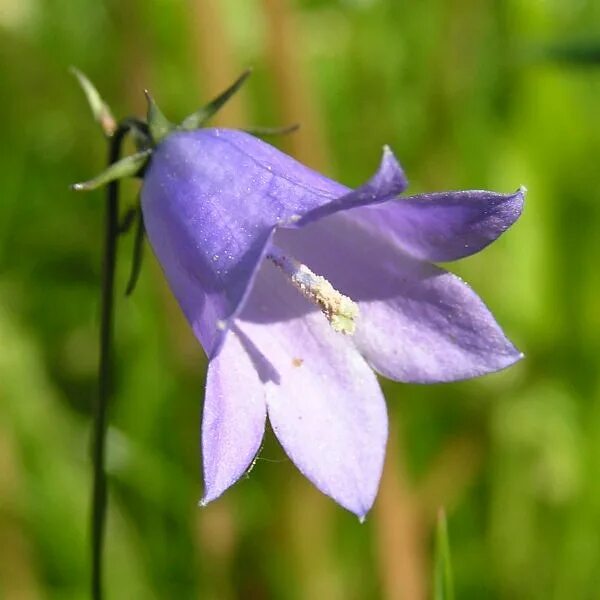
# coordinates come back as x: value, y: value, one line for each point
x: 340, y: 311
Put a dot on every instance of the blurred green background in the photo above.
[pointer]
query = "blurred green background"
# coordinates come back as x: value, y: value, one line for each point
x: 468, y: 95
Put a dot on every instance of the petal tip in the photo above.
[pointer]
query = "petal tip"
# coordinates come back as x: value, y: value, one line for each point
x: 517, y: 201
x: 510, y: 359
x: 519, y: 196
x: 362, y: 516
x: 391, y: 172
x: 209, y: 496
x: 360, y: 507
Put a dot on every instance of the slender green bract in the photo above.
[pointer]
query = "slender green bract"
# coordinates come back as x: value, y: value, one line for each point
x: 126, y: 167
x: 197, y: 119
x: 100, y: 109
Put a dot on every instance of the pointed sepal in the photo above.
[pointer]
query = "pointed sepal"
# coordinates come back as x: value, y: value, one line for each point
x: 272, y: 131
x: 199, y: 118
x: 100, y: 109
x: 158, y: 124
x: 126, y: 167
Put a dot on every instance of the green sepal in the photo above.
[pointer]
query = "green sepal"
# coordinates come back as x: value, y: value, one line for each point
x: 100, y: 110
x: 271, y: 131
x: 159, y: 125
x: 126, y: 167
x: 199, y: 118
x: 443, y: 588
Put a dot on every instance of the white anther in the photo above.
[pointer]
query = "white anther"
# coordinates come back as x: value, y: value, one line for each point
x: 340, y: 311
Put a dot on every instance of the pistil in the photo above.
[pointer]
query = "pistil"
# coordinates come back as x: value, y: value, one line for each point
x: 341, y: 311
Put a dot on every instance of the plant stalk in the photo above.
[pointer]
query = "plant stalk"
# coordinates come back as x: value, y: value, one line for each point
x: 105, y: 368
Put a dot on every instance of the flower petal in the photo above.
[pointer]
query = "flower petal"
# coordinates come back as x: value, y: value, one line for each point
x: 386, y: 184
x: 325, y: 406
x: 211, y: 199
x: 446, y: 226
x: 417, y: 323
x: 234, y: 416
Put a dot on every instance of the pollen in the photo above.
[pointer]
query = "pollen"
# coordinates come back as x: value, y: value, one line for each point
x: 341, y: 311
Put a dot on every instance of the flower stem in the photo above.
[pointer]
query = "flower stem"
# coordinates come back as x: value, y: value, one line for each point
x: 99, y: 492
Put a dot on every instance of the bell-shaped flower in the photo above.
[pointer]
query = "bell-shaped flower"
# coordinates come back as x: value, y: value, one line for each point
x: 300, y: 290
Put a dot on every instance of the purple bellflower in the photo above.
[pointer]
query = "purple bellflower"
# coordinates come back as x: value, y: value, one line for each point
x: 300, y: 289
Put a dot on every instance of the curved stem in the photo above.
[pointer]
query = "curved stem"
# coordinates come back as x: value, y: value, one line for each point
x: 99, y: 494
x: 138, y: 249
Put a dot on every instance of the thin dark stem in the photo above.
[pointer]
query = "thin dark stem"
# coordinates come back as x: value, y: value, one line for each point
x: 138, y: 248
x: 99, y: 495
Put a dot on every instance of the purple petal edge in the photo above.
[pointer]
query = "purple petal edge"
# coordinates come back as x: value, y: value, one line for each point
x: 447, y: 226
x: 388, y: 182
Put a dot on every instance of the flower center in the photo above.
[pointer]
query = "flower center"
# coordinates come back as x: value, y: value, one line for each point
x: 340, y: 311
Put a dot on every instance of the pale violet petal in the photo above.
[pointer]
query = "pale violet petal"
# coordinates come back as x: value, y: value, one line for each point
x: 233, y: 419
x: 324, y: 402
x: 417, y: 323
